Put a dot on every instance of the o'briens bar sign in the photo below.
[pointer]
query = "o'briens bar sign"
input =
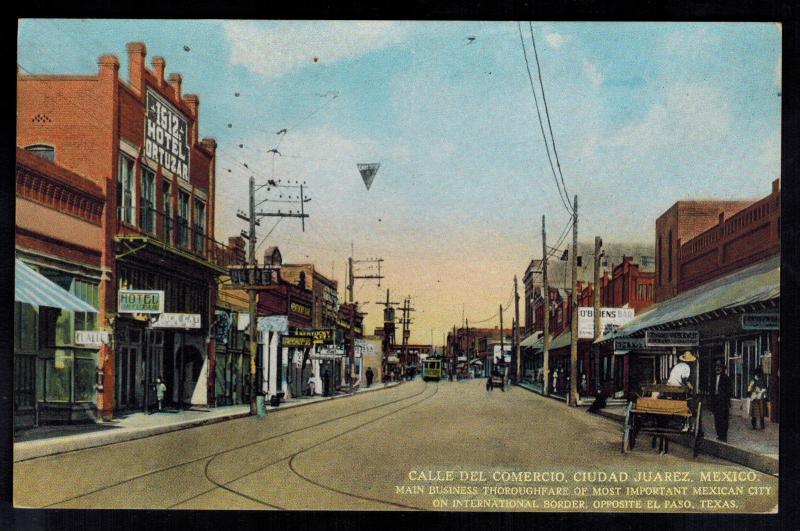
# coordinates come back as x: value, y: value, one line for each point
x: 140, y: 301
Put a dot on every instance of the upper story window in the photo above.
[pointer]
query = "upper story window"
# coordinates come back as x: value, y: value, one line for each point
x: 183, y: 218
x: 199, y: 224
x: 148, y: 200
x: 126, y: 200
x: 166, y: 201
x: 43, y: 152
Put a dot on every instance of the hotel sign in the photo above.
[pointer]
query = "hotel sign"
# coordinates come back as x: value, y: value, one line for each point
x: 761, y: 321
x: 166, y: 136
x: 177, y: 320
x: 672, y: 338
x: 140, y: 301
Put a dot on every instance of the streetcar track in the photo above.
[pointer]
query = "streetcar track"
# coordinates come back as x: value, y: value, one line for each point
x: 292, y: 456
x: 216, y: 454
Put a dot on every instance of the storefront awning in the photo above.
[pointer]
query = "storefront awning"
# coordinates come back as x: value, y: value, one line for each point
x: 758, y: 283
x: 34, y: 288
x: 532, y: 340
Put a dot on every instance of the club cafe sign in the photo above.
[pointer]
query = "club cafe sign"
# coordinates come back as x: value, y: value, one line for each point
x: 166, y: 136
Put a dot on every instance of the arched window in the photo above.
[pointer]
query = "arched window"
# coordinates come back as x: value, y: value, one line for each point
x: 43, y: 151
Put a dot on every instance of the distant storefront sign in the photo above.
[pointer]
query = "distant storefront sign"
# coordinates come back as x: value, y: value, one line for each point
x: 177, y: 320
x: 296, y: 341
x: 328, y: 353
x: 761, y: 321
x: 319, y: 336
x: 300, y: 308
x: 166, y: 136
x: 672, y: 338
x: 629, y: 343
x: 140, y: 301
x: 610, y: 318
x: 92, y: 338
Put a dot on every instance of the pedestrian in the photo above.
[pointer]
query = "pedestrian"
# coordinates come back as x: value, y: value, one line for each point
x: 757, y: 390
x: 370, y: 375
x: 161, y: 388
x: 311, y: 383
x: 326, y: 384
x: 584, y: 384
x: 721, y: 401
x: 555, y: 381
x: 681, y: 373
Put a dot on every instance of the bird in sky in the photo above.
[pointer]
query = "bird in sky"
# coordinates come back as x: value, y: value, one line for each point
x: 230, y: 125
x: 281, y: 132
x: 186, y: 49
x: 241, y: 145
x: 236, y: 94
x: 272, y: 182
x: 471, y: 40
x: 274, y: 151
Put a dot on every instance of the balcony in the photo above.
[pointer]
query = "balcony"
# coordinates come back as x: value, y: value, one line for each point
x: 176, y: 235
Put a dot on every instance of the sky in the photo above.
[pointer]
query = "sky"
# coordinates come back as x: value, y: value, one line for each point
x: 643, y: 114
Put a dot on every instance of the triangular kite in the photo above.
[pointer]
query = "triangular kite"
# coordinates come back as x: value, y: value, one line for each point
x: 368, y: 172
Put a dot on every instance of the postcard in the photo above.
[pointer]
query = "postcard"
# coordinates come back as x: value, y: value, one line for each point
x: 394, y: 265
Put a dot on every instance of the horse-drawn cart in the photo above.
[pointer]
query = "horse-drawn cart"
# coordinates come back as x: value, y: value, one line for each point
x: 663, y: 410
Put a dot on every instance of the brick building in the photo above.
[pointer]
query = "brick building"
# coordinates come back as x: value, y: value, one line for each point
x: 59, y: 236
x: 721, y: 283
x: 137, y: 142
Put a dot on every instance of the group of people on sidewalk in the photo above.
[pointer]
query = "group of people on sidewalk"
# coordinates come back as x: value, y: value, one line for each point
x: 721, y: 394
x: 326, y: 382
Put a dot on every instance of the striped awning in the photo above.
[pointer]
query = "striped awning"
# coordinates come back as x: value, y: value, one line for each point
x: 33, y: 288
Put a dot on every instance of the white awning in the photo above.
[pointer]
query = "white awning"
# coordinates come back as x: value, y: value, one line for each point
x: 34, y: 288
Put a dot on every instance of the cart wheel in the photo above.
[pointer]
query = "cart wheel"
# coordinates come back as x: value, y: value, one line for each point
x: 626, y: 432
x: 698, y: 429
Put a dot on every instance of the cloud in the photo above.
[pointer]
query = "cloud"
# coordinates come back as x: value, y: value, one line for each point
x: 555, y: 40
x: 689, y: 116
x: 594, y: 75
x: 277, y: 48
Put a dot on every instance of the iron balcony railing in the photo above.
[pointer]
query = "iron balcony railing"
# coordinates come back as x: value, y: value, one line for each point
x: 175, y: 232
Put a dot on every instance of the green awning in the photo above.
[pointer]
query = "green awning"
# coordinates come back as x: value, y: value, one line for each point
x: 760, y: 282
x: 34, y: 288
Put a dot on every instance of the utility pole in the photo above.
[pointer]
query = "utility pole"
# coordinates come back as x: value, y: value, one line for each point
x: 388, y: 330
x: 546, y: 334
x: 252, y: 217
x: 573, y: 351
x: 516, y: 333
x: 502, y: 343
x: 406, y: 321
x: 352, y: 277
x: 598, y: 244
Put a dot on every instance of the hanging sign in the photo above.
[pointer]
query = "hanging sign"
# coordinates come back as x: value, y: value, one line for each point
x: 177, y: 320
x: 610, y: 318
x: 166, y: 136
x: 672, y: 338
x: 296, y: 341
x: 368, y: 172
x: 328, y: 353
x: 140, y: 301
x: 761, y: 321
x: 319, y: 336
x: 629, y: 343
x: 92, y: 338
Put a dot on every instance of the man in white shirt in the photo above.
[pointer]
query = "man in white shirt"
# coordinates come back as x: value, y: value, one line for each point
x: 682, y: 371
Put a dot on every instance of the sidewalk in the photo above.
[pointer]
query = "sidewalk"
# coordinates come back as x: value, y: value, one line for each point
x: 757, y: 449
x: 52, y: 440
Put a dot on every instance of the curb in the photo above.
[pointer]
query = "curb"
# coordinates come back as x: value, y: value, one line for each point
x: 756, y: 461
x: 25, y: 451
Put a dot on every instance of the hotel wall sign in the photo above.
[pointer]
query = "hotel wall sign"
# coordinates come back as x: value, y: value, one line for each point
x: 140, y: 301
x: 166, y: 136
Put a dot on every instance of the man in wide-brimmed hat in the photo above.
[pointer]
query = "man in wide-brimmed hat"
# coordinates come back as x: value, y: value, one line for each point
x: 682, y: 371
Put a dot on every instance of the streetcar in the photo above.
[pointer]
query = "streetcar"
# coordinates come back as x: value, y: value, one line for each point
x: 431, y: 370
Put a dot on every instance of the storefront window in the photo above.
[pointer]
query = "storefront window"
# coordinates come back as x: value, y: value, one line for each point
x: 84, y: 379
x: 58, y: 376
x: 25, y: 327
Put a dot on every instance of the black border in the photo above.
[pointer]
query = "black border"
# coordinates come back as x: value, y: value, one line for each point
x: 653, y: 10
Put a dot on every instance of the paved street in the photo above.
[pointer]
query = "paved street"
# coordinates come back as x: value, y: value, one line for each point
x: 362, y: 453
